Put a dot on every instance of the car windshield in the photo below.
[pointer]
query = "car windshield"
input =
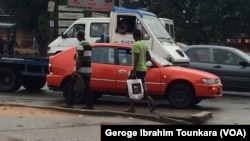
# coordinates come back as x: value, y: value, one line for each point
x: 158, y: 29
x: 159, y: 59
x: 243, y: 54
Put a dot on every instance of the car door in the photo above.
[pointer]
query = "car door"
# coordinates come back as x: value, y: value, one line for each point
x: 157, y: 72
x: 104, y: 70
x: 124, y: 63
x: 226, y: 64
x: 154, y: 82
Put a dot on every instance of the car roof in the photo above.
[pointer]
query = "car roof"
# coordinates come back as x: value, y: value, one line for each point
x: 210, y: 46
x: 112, y: 44
x: 96, y: 44
x: 228, y: 48
x: 80, y: 20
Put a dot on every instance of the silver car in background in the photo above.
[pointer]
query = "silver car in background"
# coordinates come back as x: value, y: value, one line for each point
x: 230, y: 64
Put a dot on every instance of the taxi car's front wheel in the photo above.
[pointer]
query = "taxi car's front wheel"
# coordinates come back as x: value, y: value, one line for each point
x: 181, y: 96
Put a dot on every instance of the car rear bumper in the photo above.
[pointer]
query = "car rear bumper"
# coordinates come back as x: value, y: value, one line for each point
x: 54, y: 81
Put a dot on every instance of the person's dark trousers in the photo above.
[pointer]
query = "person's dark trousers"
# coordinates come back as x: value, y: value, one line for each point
x: 70, y: 97
x: 87, y: 92
x: 141, y: 75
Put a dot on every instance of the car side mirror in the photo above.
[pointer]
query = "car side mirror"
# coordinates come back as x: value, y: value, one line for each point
x: 243, y: 63
x: 63, y: 35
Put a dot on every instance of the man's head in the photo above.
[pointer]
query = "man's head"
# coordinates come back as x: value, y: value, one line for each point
x: 137, y: 34
x: 81, y: 35
x: 123, y: 26
x: 124, y: 23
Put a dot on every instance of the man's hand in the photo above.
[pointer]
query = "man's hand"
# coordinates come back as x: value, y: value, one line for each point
x: 132, y: 74
x: 73, y: 75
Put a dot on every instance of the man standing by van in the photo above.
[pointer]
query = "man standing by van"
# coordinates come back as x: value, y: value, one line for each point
x: 11, y: 44
x: 1, y: 45
x: 140, y: 55
x: 83, y: 67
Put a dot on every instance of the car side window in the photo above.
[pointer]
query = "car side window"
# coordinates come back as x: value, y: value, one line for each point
x: 226, y: 57
x: 103, y: 55
x: 96, y: 29
x: 192, y: 54
x: 220, y: 56
x: 125, y: 24
x: 72, y: 32
x: 232, y: 59
x: 199, y: 55
x: 124, y: 56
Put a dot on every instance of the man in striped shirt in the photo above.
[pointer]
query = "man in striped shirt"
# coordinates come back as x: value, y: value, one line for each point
x: 83, y: 67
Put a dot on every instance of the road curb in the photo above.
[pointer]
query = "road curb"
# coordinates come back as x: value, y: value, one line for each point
x: 198, y: 118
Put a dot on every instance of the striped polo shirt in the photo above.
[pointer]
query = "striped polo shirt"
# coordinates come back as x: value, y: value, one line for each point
x: 84, y: 49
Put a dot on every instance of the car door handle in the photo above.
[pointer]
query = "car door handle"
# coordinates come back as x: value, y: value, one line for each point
x: 217, y: 66
x: 122, y: 71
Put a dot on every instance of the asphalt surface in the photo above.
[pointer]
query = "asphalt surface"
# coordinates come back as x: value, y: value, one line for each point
x: 39, y: 116
x: 110, y: 106
x: 113, y: 108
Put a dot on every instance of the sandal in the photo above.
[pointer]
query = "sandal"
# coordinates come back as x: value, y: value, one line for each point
x: 130, y: 110
x: 153, y: 107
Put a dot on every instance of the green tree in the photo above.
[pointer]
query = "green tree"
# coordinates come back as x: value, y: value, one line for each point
x: 32, y: 16
x: 198, y: 21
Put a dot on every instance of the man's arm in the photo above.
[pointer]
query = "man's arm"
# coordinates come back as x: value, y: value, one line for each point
x: 80, y: 52
x: 136, y: 60
x: 79, y: 62
x: 148, y: 56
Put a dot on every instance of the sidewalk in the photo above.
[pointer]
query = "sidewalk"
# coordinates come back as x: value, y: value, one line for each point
x: 161, y: 114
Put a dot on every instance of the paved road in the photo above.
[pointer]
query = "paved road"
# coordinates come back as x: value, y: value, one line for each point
x: 29, y: 116
x: 55, y: 123
x: 32, y: 124
x: 108, y: 105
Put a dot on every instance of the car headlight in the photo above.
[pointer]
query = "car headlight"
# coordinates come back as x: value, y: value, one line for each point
x: 210, y: 81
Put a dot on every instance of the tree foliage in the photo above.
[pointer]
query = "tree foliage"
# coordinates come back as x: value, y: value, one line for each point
x: 26, y: 12
x: 196, y: 21
x: 199, y: 21
x: 31, y: 16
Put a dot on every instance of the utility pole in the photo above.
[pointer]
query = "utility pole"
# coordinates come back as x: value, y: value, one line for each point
x: 51, y: 10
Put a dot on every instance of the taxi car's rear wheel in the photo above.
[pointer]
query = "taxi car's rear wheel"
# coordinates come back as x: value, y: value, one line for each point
x: 181, y: 96
x: 68, y: 90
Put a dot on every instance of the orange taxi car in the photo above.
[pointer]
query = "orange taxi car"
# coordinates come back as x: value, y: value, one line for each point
x: 183, y: 87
